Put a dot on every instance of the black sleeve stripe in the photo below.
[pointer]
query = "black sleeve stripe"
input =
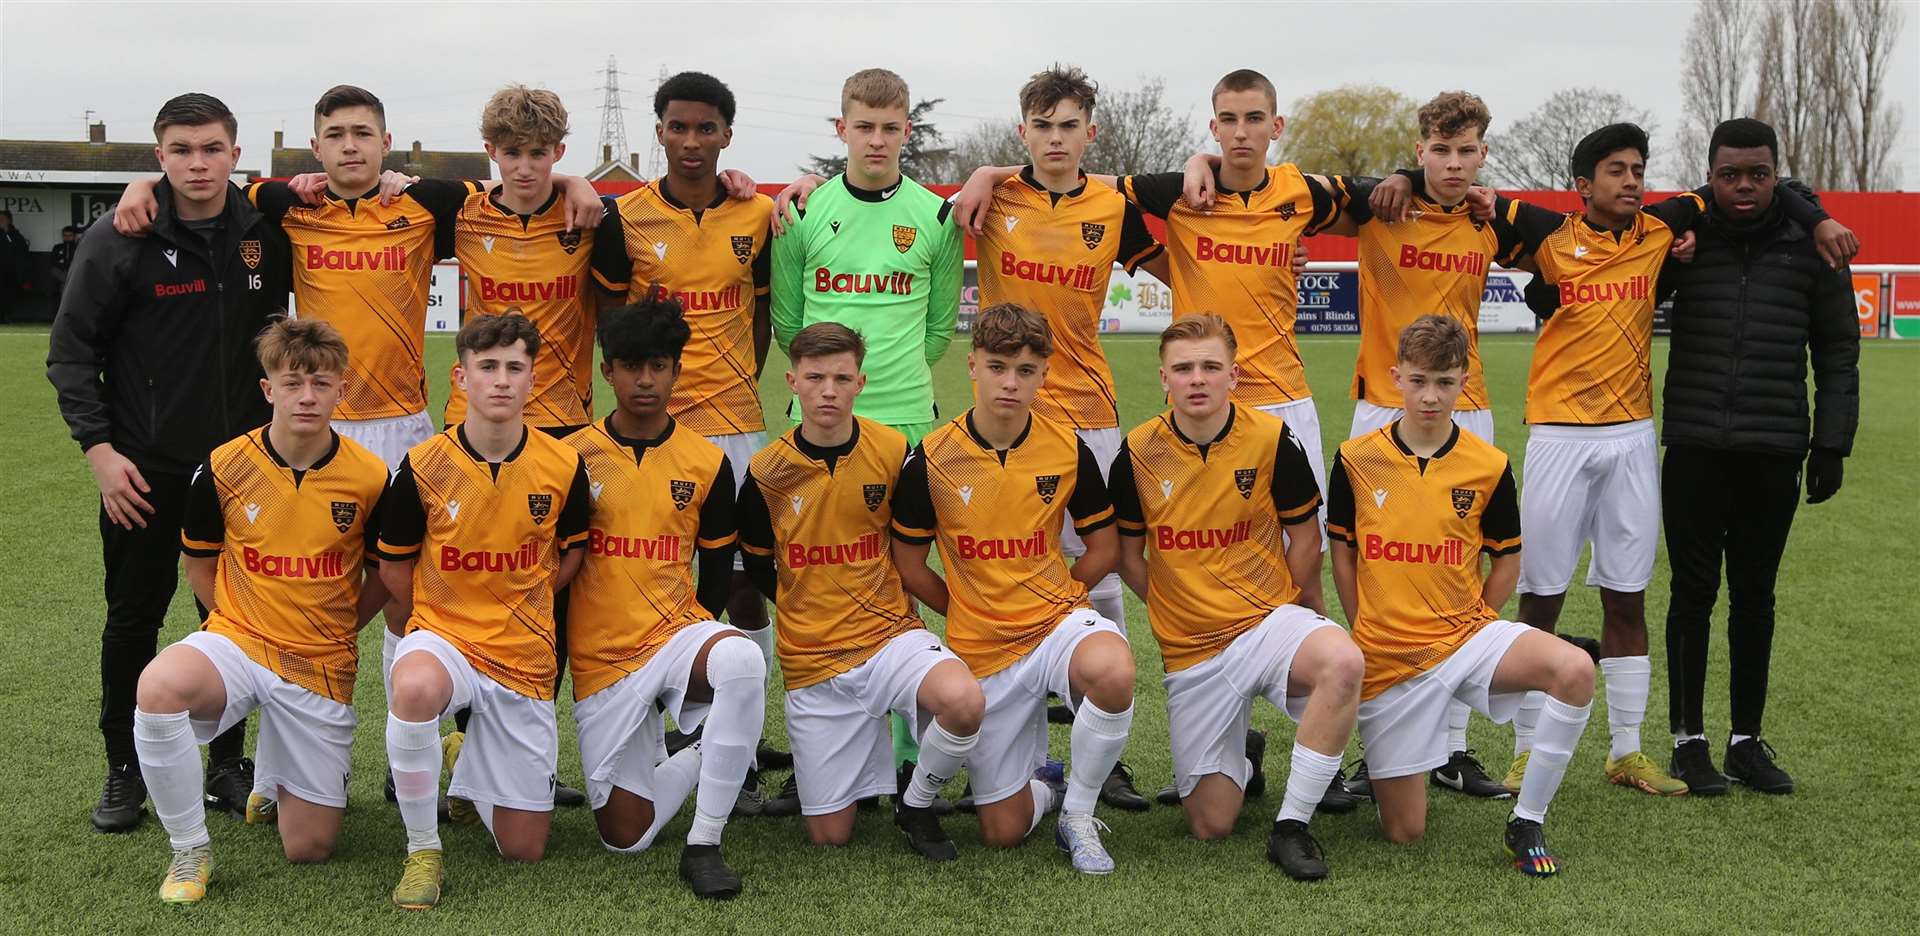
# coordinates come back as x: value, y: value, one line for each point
x: 946, y: 208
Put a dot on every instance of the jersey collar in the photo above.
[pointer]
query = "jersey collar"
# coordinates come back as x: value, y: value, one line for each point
x: 826, y: 453
x: 333, y: 448
x: 973, y: 431
x: 1233, y: 411
x: 719, y: 196
x: 1441, y: 452
x: 1220, y: 187
x: 461, y: 433
x: 872, y: 195
x: 493, y: 198
x: 639, y: 446
x: 1027, y: 175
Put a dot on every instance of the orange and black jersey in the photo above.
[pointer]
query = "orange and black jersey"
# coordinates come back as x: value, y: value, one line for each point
x: 1212, y: 513
x: 656, y: 504
x: 714, y: 258
x: 367, y: 268
x: 533, y: 265
x: 1053, y: 252
x: 1419, y: 526
x: 1236, y: 260
x: 292, y: 544
x: 1432, y: 264
x: 488, y: 537
x: 997, y: 515
x: 813, y: 532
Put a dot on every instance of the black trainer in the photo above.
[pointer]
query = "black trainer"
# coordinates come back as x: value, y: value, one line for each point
x: 1751, y: 763
x: 769, y: 757
x: 1338, y: 800
x: 122, y: 801
x: 903, y: 774
x: 750, y: 803
x: 1293, y: 848
x: 1693, y: 763
x: 1117, y: 791
x: 677, y: 739
x: 1527, y: 846
x: 1358, y: 783
x: 965, y: 803
x: 1588, y: 644
x: 392, y: 796
x: 564, y: 795
x: 1257, y: 755
x: 1059, y: 713
x: 228, y: 784
x: 1462, y: 772
x: 707, y: 873
x: 787, y: 803
x: 1169, y: 795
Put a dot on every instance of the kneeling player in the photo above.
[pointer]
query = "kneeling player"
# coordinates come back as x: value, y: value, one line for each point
x: 813, y: 520
x: 992, y: 486
x: 497, y: 511
x: 1207, y: 488
x: 641, y: 635
x: 274, y: 536
x: 1408, y: 571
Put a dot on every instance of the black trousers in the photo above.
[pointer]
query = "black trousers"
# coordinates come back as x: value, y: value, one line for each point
x: 142, y: 571
x: 1739, y: 505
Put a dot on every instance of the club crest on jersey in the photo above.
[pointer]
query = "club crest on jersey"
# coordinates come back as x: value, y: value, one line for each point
x: 743, y: 248
x: 569, y: 241
x: 1047, y: 485
x: 539, y: 506
x: 1463, y: 501
x: 343, y: 514
x: 1479, y: 225
x: 1286, y: 211
x: 398, y: 223
x: 903, y: 237
x: 1092, y: 234
x: 682, y: 492
x: 250, y: 254
x: 874, y: 495
x: 1243, y: 481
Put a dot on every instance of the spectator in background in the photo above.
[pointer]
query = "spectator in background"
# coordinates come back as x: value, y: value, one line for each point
x: 62, y: 255
x: 14, y: 268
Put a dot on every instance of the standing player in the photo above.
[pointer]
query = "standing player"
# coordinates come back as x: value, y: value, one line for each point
x: 814, y: 514
x: 276, y: 529
x: 150, y: 357
x: 1205, y: 488
x: 498, y: 511
x: 643, y: 635
x: 992, y: 487
x: 1408, y: 572
x: 875, y: 251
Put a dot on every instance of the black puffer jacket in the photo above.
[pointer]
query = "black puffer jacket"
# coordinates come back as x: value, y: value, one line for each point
x: 1746, y: 311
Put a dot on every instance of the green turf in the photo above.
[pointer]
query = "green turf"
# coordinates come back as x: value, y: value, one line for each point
x: 1829, y: 858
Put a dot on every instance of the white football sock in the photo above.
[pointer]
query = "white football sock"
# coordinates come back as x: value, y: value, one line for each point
x: 1307, y: 782
x: 1628, y: 679
x: 941, y: 754
x: 764, y: 639
x: 413, y: 750
x: 1098, y: 739
x: 1458, y: 713
x: 1559, y: 731
x: 1106, y: 599
x: 1042, y: 803
x: 1524, y: 720
x: 388, y: 644
x: 170, y: 762
x: 738, y: 674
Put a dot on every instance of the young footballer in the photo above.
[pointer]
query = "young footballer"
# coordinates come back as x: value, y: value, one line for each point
x: 276, y: 529
x: 814, y: 513
x: 642, y: 634
x: 992, y: 486
x: 480, y: 526
x: 1205, y: 488
x: 1411, y: 507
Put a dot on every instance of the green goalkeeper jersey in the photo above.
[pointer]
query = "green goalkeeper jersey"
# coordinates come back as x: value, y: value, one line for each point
x: 886, y: 264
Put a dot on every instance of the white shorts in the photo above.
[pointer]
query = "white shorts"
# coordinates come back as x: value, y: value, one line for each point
x: 305, y: 745
x: 1105, y: 445
x: 1013, y: 734
x: 842, y: 747
x: 1590, y: 484
x: 1368, y: 417
x: 389, y: 438
x: 739, y: 447
x: 1304, y: 419
x: 1404, y: 729
x: 622, y: 734
x: 1210, y: 704
x: 512, y: 741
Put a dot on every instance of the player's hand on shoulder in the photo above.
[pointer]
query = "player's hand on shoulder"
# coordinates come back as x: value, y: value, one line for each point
x: 584, y: 208
x: 309, y: 187
x: 133, y: 216
x: 1197, y: 187
x: 971, y: 203
x: 1392, y: 198
x: 792, y: 202
x: 739, y: 185
x: 393, y: 184
x: 1480, y: 201
x: 1836, y: 243
x: 1683, y: 247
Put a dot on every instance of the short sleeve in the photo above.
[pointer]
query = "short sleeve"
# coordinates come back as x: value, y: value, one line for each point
x: 1089, y: 505
x: 1500, y: 521
x: 1326, y: 206
x: 403, y: 519
x: 577, y: 513
x: 1155, y: 193
x: 371, y: 528
x: 913, y: 519
x: 1340, y: 503
x: 1521, y: 227
x: 1296, y: 495
x: 443, y: 198
x: 202, y: 528
x: 1137, y: 245
x: 1127, y: 512
x: 612, y: 268
x: 717, y: 523
x: 755, y: 525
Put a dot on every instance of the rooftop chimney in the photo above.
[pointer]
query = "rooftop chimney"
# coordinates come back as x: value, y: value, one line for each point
x: 416, y: 153
x: 633, y: 159
x: 97, y: 132
x: 279, y: 139
x: 606, y: 153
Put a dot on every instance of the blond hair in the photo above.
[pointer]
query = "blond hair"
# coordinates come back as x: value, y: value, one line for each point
x: 1199, y: 327
x: 523, y: 115
x: 308, y: 346
x: 874, y: 87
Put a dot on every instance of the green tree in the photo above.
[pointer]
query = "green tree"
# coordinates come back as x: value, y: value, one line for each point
x: 1351, y: 130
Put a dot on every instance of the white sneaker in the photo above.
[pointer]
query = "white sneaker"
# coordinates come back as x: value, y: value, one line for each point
x: 1079, y: 837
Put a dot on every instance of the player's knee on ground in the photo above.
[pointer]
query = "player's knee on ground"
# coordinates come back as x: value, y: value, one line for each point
x: 955, y: 698
x: 308, y: 846
x: 1213, y: 807
x: 1004, y: 824
x: 1403, y: 807
x: 624, y: 820
x: 833, y: 829
x: 517, y: 845
x: 1103, y: 672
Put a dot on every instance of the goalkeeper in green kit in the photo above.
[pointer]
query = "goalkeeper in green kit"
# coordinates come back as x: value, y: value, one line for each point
x: 875, y: 251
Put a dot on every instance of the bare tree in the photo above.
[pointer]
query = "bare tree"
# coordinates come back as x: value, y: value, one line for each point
x: 1535, y: 152
x: 1139, y: 132
x: 1714, y: 80
x: 1352, y: 130
x: 993, y: 143
x: 1873, y: 27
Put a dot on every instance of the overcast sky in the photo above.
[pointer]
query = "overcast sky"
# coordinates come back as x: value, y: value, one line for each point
x: 434, y: 64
